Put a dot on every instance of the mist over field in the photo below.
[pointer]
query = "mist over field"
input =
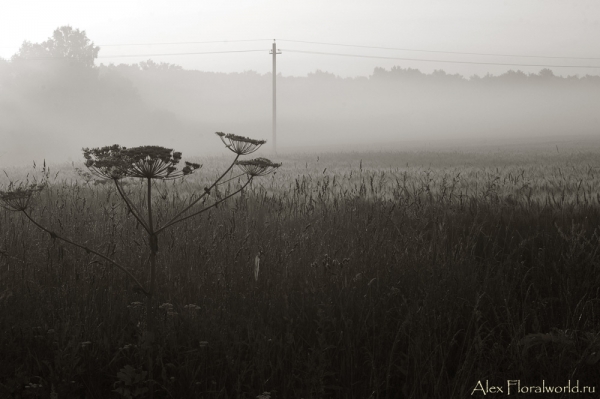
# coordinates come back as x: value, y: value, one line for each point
x: 50, y: 108
x: 416, y: 234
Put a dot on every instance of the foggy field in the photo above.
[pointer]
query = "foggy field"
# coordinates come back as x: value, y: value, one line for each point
x: 423, y: 222
x: 383, y: 274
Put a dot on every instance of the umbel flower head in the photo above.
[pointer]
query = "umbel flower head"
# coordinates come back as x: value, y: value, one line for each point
x: 107, y: 162
x: 151, y: 162
x: 257, y: 167
x: 239, y: 144
x: 17, y: 198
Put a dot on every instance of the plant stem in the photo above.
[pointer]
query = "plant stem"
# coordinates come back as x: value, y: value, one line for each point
x: 204, y: 209
x: 132, y: 208
x: 153, y: 242
x: 54, y: 235
x: 175, y: 219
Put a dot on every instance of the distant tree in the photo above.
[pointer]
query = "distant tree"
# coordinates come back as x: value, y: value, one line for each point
x: 406, y: 73
x: 65, y: 43
x: 439, y: 75
x: 61, y: 66
x: 321, y: 75
x: 546, y: 73
x: 410, y: 74
x: 4, y: 71
x: 379, y: 73
x: 160, y: 66
x: 513, y: 77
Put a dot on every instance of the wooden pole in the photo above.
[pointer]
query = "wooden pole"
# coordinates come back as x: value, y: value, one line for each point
x: 274, y: 121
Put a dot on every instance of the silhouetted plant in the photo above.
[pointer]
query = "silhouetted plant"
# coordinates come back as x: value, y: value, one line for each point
x: 239, y: 144
x: 17, y: 197
x: 150, y: 163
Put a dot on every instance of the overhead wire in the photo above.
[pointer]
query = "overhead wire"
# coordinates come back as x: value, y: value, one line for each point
x: 444, y: 52
x: 150, y: 55
x: 166, y: 43
x: 442, y: 61
x: 176, y: 43
x: 347, y: 45
x: 167, y: 54
x: 348, y: 55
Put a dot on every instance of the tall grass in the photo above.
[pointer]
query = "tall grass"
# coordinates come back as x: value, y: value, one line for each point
x: 407, y: 275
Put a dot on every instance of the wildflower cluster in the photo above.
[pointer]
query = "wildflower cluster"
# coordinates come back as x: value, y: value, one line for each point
x: 239, y: 144
x: 257, y: 167
x: 151, y: 162
x: 17, y: 198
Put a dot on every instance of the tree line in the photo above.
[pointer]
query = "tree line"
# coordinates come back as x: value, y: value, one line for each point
x: 54, y: 99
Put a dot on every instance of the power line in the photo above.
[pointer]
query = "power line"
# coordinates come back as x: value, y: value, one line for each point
x: 167, y: 54
x: 148, y: 55
x: 167, y: 43
x: 444, y: 61
x: 443, y: 52
x: 347, y: 45
x: 172, y: 43
x: 335, y: 54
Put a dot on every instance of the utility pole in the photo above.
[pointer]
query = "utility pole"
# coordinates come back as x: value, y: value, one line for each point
x: 274, y: 51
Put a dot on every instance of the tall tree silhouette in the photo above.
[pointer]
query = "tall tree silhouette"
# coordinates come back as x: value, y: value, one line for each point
x: 66, y: 43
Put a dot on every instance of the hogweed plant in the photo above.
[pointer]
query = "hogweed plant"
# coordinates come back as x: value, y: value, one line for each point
x: 148, y: 163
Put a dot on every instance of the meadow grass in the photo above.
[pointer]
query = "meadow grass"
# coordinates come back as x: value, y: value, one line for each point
x: 383, y: 275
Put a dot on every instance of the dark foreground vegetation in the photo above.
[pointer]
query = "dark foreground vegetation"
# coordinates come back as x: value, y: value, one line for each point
x: 376, y: 280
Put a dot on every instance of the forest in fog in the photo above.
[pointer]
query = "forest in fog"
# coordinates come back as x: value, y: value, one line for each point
x: 51, y: 106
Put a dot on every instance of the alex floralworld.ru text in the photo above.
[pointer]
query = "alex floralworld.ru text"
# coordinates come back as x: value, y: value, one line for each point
x: 515, y: 387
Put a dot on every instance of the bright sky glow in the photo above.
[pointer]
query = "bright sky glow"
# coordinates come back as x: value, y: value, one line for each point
x: 524, y: 27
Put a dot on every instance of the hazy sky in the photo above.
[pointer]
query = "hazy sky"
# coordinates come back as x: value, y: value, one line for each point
x: 561, y: 28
